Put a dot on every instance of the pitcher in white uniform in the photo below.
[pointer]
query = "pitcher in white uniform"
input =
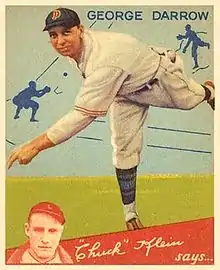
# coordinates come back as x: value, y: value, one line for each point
x: 121, y: 75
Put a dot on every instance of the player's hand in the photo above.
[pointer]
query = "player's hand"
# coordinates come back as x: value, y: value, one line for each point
x: 179, y: 37
x: 24, y: 154
x: 48, y: 89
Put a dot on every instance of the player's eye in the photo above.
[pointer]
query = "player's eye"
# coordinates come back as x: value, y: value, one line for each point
x: 52, y: 230
x: 66, y: 32
x: 39, y: 229
x: 53, y: 35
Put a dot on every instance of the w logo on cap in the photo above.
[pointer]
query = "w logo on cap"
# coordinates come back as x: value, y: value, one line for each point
x: 56, y: 14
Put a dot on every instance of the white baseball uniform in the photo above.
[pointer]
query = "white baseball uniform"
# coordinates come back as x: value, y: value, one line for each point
x: 126, y: 76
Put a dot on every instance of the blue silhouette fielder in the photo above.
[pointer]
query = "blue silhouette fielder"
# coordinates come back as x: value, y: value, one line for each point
x: 196, y: 42
x: 23, y: 99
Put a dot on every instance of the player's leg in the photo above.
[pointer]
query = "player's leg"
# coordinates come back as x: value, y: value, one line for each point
x: 127, y: 119
x: 34, y: 106
x: 202, y: 43
x: 184, y: 92
x: 195, y: 55
x: 18, y: 110
x: 19, y: 105
x: 173, y: 89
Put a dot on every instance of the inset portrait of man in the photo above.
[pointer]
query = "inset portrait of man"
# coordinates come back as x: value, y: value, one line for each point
x: 44, y: 228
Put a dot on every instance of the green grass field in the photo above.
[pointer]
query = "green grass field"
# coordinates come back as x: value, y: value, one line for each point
x: 92, y: 205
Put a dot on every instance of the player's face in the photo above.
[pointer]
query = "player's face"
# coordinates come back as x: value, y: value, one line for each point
x: 67, y: 42
x: 187, y: 27
x: 44, y: 234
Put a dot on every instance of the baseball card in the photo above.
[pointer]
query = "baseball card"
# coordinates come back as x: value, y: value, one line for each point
x: 110, y: 127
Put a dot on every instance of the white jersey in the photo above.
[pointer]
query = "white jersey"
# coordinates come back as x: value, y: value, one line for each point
x: 112, y: 64
x: 27, y: 258
x: 115, y: 67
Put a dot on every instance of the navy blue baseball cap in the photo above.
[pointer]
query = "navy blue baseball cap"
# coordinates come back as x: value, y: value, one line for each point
x: 61, y: 17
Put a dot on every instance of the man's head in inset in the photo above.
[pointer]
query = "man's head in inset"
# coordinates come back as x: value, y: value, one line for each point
x: 32, y: 84
x: 188, y: 27
x: 44, y: 229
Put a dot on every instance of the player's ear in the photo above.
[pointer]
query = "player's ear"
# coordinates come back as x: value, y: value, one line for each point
x: 81, y: 29
x: 26, y: 229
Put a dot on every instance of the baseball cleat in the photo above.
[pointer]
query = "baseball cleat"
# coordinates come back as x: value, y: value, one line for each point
x: 211, y: 101
x: 134, y: 224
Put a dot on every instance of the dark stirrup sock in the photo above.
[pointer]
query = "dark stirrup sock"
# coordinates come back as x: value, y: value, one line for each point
x: 127, y: 183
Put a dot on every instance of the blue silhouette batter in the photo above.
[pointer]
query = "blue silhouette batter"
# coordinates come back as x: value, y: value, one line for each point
x: 24, y: 99
x: 192, y: 37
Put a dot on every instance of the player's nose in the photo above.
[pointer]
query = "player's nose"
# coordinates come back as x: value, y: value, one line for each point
x: 45, y: 238
x: 60, y: 40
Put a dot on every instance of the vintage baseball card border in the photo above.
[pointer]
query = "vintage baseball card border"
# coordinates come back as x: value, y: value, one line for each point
x: 216, y: 138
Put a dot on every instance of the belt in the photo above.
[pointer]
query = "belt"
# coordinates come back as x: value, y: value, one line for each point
x: 149, y: 84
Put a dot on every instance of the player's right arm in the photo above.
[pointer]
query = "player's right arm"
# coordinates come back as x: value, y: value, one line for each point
x: 93, y: 100
x: 26, y: 152
x: 68, y: 126
x: 65, y: 128
x: 40, y: 93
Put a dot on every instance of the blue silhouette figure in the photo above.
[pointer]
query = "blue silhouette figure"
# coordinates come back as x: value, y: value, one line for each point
x: 193, y: 38
x: 23, y: 99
